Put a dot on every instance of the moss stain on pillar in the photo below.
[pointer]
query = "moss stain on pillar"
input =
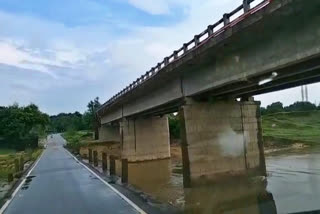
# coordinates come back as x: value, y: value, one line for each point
x: 112, y: 165
x: 95, y: 158
x: 124, y: 173
x: 260, y: 143
x: 184, y: 150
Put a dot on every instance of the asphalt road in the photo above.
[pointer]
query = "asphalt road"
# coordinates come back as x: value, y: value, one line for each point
x: 60, y: 185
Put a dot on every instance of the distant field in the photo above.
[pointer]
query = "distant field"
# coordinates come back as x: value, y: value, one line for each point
x: 292, y: 127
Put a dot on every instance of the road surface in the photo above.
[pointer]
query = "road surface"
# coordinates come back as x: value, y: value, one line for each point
x: 60, y: 185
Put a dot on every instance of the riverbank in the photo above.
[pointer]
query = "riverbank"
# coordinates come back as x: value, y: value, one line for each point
x: 290, y: 131
x: 286, y: 128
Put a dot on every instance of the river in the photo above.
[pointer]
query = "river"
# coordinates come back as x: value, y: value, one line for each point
x: 292, y: 186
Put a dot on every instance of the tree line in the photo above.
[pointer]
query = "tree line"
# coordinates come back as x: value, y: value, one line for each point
x: 297, y: 106
x: 75, y: 121
x: 21, y: 126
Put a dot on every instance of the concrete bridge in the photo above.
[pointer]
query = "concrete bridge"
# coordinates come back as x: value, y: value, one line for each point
x: 210, y: 81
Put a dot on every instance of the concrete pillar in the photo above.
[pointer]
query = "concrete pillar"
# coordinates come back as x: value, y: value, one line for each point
x: 104, y: 162
x: 112, y: 165
x: 109, y: 132
x: 220, y: 139
x: 124, y: 174
x: 145, y: 139
x: 90, y: 155
x: 95, y: 158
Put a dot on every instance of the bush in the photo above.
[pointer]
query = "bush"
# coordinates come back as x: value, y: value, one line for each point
x: 74, y: 140
x: 174, y: 126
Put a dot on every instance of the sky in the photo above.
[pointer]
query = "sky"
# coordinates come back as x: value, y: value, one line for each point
x: 60, y: 54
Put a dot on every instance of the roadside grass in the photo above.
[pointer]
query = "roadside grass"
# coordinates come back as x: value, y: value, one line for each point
x: 75, y: 139
x: 292, y: 127
x: 7, y: 162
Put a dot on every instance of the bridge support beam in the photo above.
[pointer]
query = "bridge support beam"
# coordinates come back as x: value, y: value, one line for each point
x: 220, y: 140
x: 109, y: 132
x: 145, y: 139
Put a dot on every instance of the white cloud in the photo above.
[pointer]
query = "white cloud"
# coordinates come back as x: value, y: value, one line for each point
x: 154, y: 7
x: 146, y: 46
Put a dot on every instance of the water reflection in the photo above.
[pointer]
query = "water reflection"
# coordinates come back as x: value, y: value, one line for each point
x: 292, y: 186
x: 157, y: 179
x: 237, y: 196
x: 163, y: 180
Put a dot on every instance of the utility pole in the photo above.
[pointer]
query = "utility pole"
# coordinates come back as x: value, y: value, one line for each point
x: 302, y: 93
x: 307, y: 95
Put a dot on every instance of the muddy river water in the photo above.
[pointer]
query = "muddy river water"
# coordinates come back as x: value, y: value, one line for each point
x: 292, y: 186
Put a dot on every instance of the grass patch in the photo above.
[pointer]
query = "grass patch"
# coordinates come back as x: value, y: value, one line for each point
x: 75, y: 139
x: 291, y: 127
x: 7, y: 162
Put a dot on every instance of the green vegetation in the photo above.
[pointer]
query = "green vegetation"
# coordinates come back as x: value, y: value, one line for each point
x: 20, y: 127
x: 174, y: 126
x: 4, y: 151
x: 291, y: 127
x: 75, y: 139
x: 8, y: 165
x: 297, y: 106
x: 64, y: 122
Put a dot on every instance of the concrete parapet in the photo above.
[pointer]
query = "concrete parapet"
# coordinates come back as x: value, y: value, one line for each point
x: 220, y: 139
x: 145, y: 139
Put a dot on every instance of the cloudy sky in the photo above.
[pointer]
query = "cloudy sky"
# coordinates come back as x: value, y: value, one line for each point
x: 59, y: 54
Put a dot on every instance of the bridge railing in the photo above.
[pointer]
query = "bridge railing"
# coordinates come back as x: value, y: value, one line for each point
x: 228, y: 20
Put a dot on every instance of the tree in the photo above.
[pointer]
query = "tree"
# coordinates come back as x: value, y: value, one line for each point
x: 174, y: 126
x: 274, y: 108
x: 91, y: 116
x: 21, y: 125
x: 301, y: 106
x: 263, y: 110
x: 64, y: 122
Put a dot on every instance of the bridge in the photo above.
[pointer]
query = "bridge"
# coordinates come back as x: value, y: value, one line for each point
x: 260, y: 47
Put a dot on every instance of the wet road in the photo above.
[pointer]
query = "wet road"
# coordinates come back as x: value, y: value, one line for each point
x: 59, y: 184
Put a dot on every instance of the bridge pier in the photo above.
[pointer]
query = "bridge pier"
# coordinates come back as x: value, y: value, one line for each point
x: 145, y: 139
x: 220, y: 139
x: 109, y: 132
